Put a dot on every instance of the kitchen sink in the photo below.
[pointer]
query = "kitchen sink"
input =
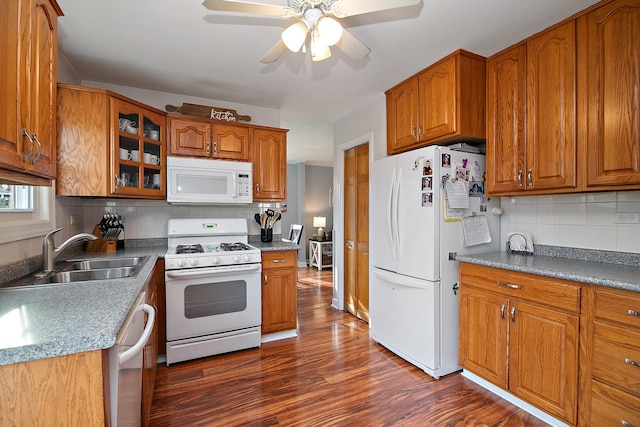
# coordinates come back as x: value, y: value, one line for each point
x: 94, y: 264
x: 84, y: 275
x: 82, y: 270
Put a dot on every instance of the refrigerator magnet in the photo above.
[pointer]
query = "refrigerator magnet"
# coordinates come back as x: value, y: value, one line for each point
x: 426, y: 183
x: 427, y: 199
x: 426, y: 168
x: 446, y: 160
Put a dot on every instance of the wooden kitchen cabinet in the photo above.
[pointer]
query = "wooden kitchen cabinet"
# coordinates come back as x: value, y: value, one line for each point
x: 521, y: 332
x: 614, y: 351
x: 279, y: 293
x: 28, y: 48
x: 444, y: 102
x: 204, y: 138
x: 609, y: 78
x: 531, y: 115
x: 269, y: 156
x: 154, y: 288
x: 96, y: 157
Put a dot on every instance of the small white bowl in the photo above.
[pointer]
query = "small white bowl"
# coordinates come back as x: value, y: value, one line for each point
x: 131, y: 129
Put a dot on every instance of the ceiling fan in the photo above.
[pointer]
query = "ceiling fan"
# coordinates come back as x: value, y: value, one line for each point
x: 316, y: 22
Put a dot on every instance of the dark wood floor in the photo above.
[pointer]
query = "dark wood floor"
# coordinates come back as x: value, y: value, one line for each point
x: 332, y: 374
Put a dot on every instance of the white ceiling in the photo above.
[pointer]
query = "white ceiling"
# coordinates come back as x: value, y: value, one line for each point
x: 179, y: 46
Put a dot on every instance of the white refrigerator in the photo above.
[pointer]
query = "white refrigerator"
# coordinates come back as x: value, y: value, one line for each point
x: 420, y: 202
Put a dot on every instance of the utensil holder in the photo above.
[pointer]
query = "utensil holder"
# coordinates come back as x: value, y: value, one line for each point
x: 266, y: 234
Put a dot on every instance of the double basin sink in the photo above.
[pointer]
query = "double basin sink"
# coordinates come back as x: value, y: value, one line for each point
x: 82, y: 270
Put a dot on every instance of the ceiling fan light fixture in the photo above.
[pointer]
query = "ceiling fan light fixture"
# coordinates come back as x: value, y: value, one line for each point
x: 329, y: 30
x: 319, y: 49
x: 294, y: 36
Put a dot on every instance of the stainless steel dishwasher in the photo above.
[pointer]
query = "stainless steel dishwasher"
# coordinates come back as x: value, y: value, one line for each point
x: 125, y: 365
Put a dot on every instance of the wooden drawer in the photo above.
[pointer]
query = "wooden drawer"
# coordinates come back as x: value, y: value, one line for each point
x: 612, y: 407
x: 616, y: 357
x: 618, y: 306
x: 279, y: 259
x: 558, y: 293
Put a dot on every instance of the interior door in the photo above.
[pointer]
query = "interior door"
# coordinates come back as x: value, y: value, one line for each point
x: 356, y: 220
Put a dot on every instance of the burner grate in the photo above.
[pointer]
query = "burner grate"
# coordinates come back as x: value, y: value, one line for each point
x: 189, y: 249
x: 238, y: 246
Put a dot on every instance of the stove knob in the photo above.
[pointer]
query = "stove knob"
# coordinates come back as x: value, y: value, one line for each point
x: 216, y: 260
x: 236, y: 258
x: 193, y: 262
x: 180, y: 263
x: 246, y: 258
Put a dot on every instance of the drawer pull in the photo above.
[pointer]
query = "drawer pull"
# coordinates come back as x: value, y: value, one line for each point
x: 279, y: 260
x: 502, y: 307
x: 634, y: 313
x: 625, y: 423
x: 509, y: 285
x: 632, y: 363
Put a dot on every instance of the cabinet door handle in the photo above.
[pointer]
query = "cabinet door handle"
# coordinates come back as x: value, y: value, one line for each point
x: 529, y: 179
x: 631, y: 362
x: 257, y: 188
x: 208, y: 147
x: 419, y: 131
x: 215, y: 147
x: 413, y: 131
x: 625, y: 423
x: 509, y: 285
x: 265, y: 280
x: 35, y: 159
x: 25, y: 157
x: 278, y: 260
x: 513, y: 314
x: 502, y: 307
x: 520, y: 178
x: 634, y: 313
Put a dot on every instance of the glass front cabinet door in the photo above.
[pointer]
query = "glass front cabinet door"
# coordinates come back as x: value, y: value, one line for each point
x: 138, y: 151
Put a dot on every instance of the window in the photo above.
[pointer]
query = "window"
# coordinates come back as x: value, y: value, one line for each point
x: 25, y: 212
x: 16, y: 198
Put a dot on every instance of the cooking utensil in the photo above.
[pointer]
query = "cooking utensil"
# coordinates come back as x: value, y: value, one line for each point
x: 257, y: 218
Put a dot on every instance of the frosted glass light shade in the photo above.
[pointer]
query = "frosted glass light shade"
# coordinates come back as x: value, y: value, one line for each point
x: 329, y: 30
x: 294, y: 36
x: 319, y: 50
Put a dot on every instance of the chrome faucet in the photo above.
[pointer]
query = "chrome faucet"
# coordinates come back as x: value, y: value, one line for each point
x: 50, y: 252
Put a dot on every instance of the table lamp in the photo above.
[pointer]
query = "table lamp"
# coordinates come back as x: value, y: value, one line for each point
x: 320, y: 221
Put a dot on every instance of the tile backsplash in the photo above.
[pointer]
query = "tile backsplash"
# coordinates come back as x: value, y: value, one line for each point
x: 584, y: 220
x: 142, y: 219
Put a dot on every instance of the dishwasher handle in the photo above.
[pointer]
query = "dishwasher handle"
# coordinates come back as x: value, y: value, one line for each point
x: 144, y: 338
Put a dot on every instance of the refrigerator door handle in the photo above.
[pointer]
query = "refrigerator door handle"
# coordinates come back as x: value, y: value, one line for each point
x: 390, y: 217
x: 400, y: 280
x: 397, y: 213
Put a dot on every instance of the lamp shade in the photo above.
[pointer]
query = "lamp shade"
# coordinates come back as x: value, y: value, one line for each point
x: 319, y: 221
x: 319, y: 49
x: 294, y: 36
x: 329, y: 30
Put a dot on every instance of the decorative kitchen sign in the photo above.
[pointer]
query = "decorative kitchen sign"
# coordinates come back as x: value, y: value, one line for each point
x: 223, y: 114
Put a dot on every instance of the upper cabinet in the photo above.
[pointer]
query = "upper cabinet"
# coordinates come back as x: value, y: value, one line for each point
x: 563, y: 106
x: 269, y: 164
x: 531, y: 114
x: 28, y: 46
x: 109, y: 145
x: 207, y: 138
x: 609, y: 71
x: 444, y: 102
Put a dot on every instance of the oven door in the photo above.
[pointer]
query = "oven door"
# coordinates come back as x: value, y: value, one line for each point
x: 204, y: 301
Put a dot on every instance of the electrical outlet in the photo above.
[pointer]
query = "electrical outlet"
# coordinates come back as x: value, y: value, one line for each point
x: 627, y: 218
x: 73, y: 219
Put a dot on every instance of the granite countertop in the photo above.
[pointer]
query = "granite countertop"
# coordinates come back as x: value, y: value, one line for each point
x: 275, y: 245
x: 60, y: 319
x: 595, y: 267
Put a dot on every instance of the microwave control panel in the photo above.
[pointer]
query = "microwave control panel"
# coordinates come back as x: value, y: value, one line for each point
x: 244, y: 185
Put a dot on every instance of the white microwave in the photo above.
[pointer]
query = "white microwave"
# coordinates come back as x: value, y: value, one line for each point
x: 208, y: 182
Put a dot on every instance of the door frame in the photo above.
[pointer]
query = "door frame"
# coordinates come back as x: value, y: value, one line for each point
x: 337, y: 301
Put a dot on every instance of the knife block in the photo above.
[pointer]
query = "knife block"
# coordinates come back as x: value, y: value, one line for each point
x: 101, y: 244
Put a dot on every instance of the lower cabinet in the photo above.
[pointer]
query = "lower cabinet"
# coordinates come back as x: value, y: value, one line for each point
x: 150, y: 355
x: 615, y: 354
x: 279, y: 294
x: 521, y: 333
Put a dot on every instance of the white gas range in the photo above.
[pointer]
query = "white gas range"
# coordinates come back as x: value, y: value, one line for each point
x: 213, y: 293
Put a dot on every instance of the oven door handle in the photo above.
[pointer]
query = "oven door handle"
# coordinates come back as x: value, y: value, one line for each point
x: 212, y: 272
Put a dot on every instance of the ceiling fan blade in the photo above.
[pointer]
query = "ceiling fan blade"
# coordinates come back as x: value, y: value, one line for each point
x: 351, y: 46
x: 346, y: 8
x: 244, y: 7
x: 274, y: 53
